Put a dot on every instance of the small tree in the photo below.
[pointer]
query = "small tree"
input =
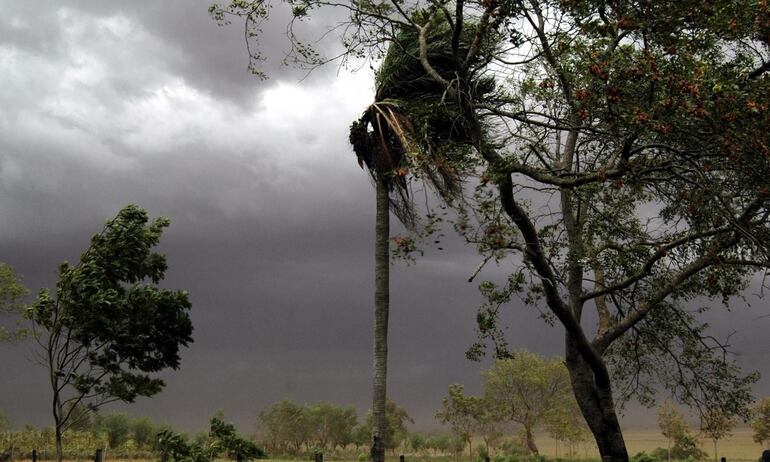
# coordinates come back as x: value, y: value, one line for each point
x: 287, y: 425
x: 236, y: 448
x: 12, y: 293
x: 331, y: 425
x: 565, y: 423
x: 115, y: 427
x: 760, y: 423
x: 671, y: 423
x: 716, y: 425
x: 108, y: 326
x: 526, y: 388
x: 462, y: 413
x: 395, y: 430
x: 143, y: 431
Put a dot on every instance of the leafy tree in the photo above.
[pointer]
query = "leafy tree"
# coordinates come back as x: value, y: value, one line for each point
x: 462, y: 413
x: 671, y: 423
x: 332, y: 425
x: 760, y: 422
x: 565, y: 423
x: 82, y: 418
x: 236, y: 448
x: 395, y: 430
x: 222, y: 437
x: 526, y: 388
x: 116, y: 427
x: 459, y: 410
x: 716, y: 425
x: 439, y: 443
x: 417, y: 441
x: 108, y: 326
x: 143, y: 431
x: 360, y: 436
x: 12, y: 292
x: 287, y: 425
x: 621, y: 155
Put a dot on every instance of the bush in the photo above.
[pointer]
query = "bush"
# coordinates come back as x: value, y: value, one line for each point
x: 506, y: 458
x: 481, y: 453
x: 644, y: 457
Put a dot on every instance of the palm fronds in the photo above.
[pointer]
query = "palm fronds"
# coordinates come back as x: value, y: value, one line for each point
x: 413, y: 129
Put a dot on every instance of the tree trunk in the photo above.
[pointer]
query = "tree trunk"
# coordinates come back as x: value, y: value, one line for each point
x: 59, y: 448
x: 597, y: 406
x: 531, y: 446
x: 381, y: 302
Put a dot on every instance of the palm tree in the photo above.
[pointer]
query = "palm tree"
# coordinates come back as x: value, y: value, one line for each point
x: 395, y: 151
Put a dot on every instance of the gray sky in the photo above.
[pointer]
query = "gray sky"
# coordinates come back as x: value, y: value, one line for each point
x: 106, y: 103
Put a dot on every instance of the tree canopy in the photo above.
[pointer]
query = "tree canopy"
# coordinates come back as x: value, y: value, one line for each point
x: 620, y: 162
x: 108, y: 326
x: 12, y: 293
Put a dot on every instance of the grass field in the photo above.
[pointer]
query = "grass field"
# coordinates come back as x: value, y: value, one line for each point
x: 739, y: 446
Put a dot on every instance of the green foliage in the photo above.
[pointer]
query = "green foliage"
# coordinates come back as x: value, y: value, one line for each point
x: 396, y: 430
x: 116, y: 427
x: 531, y: 390
x: 235, y: 447
x: 114, y: 323
x: 286, y: 425
x: 332, y: 426
x: 461, y: 412
x: 143, y: 431
x: 715, y: 424
x: 643, y: 457
x: 673, y: 426
x: 760, y: 422
x: 222, y: 438
x: 12, y: 292
x: 507, y: 457
x: 5, y: 422
x: 671, y: 420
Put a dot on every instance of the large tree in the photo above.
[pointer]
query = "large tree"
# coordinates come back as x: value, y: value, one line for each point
x: 108, y: 326
x: 622, y: 157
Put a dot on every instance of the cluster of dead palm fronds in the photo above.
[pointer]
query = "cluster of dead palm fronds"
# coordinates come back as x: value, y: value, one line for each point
x: 414, y: 130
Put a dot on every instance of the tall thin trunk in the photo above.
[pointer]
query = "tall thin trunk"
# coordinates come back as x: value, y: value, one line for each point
x: 59, y: 447
x: 381, y: 305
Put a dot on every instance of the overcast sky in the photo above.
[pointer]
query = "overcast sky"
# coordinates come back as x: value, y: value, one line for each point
x: 149, y: 102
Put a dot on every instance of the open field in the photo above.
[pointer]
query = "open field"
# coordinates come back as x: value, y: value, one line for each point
x: 738, y: 447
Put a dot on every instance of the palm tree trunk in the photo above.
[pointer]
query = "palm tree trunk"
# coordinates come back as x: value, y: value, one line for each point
x: 381, y: 305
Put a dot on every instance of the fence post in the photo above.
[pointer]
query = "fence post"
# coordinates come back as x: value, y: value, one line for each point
x: 401, y: 458
x: 34, y: 455
x: 98, y: 457
x: 486, y: 458
x: 319, y: 457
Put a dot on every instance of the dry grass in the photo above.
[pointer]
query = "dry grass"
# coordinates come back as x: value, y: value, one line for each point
x: 738, y: 447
